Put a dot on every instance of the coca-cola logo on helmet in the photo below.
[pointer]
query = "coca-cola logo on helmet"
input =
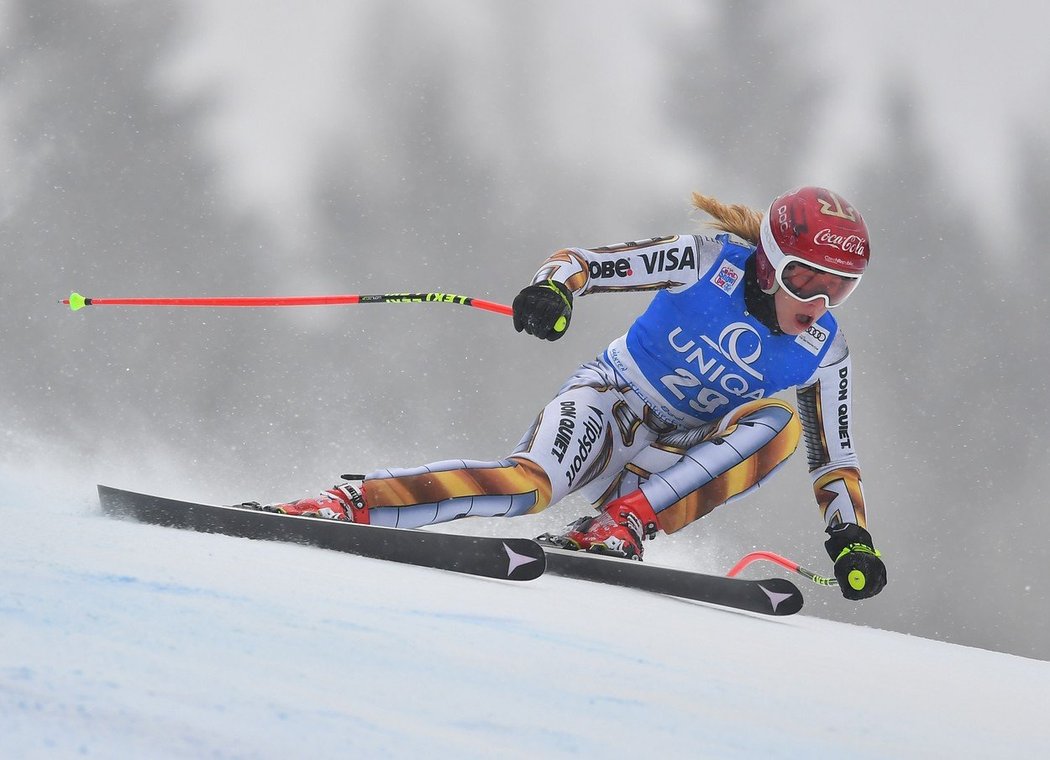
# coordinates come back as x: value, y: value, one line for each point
x: 854, y: 244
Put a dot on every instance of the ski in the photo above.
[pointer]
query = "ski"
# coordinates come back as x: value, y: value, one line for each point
x: 773, y: 596
x: 516, y: 559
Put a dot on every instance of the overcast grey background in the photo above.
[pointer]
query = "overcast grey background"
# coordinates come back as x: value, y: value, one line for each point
x: 197, y: 148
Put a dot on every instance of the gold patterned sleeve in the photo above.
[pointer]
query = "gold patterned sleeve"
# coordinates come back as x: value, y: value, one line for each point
x: 825, y: 406
x: 662, y: 262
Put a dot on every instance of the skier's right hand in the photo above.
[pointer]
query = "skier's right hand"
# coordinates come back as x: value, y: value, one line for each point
x: 859, y: 568
x: 543, y: 310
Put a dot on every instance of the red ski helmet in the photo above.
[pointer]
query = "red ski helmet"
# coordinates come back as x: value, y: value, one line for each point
x: 811, y: 233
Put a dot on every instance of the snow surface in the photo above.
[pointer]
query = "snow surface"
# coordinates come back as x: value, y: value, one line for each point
x: 126, y: 640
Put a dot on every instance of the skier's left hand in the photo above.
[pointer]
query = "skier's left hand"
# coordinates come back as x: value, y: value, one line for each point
x: 859, y: 568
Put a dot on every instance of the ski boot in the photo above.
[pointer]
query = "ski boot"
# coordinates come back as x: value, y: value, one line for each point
x: 617, y: 531
x: 341, y: 502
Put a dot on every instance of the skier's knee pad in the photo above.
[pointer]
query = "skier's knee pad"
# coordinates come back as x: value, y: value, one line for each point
x: 745, y: 448
x: 766, y: 424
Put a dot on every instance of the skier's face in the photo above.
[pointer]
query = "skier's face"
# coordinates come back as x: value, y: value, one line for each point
x: 793, y: 315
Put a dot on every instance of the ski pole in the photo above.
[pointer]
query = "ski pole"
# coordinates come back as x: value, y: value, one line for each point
x: 783, y: 561
x: 76, y: 302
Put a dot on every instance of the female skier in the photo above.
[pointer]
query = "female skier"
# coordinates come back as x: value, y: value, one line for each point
x: 676, y: 416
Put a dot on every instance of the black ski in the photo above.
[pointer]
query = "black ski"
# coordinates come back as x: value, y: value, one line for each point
x: 775, y: 596
x: 516, y: 559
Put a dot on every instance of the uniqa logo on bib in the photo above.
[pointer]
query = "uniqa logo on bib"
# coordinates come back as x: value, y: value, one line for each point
x: 714, y: 369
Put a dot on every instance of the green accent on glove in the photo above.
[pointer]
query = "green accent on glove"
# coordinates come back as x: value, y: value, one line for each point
x: 553, y: 285
x: 857, y: 580
x: 859, y: 549
x: 561, y: 323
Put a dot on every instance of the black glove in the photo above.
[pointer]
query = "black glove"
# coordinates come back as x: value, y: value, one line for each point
x: 543, y: 310
x: 858, y: 567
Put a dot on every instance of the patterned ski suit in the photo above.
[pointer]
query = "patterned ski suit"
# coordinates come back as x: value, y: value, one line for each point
x: 680, y: 406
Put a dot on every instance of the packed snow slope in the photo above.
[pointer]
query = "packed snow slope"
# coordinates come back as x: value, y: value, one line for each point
x: 126, y: 640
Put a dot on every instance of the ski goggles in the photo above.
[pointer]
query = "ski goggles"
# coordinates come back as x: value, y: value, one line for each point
x: 808, y: 282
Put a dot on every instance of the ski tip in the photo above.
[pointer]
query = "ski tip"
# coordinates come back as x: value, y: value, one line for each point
x: 526, y: 561
x: 783, y: 595
x: 76, y: 301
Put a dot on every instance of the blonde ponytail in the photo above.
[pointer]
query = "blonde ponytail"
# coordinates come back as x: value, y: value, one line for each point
x: 735, y: 219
